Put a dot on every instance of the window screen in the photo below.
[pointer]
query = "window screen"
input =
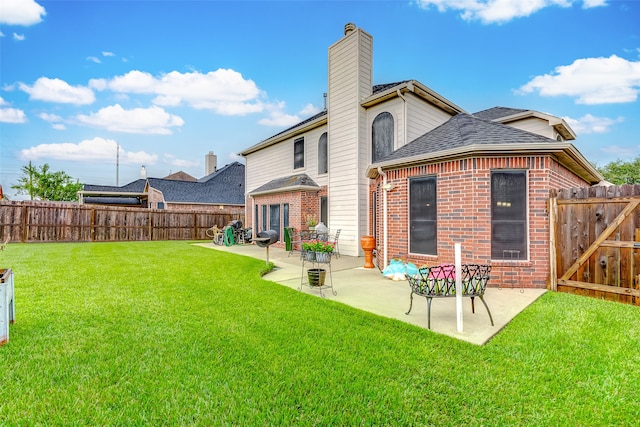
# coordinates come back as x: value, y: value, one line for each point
x: 381, y: 136
x: 509, y: 215
x: 298, y: 153
x: 423, y: 216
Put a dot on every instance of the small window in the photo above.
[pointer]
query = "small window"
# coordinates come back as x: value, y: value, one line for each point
x: 285, y: 214
x: 423, y: 216
x: 322, y: 154
x: 264, y: 218
x: 160, y: 205
x: 324, y: 210
x: 381, y: 136
x: 298, y: 153
x: 509, y: 215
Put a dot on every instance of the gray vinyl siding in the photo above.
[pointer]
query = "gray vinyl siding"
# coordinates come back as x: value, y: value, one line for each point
x: 535, y: 125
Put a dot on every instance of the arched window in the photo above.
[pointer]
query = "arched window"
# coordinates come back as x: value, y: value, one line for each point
x: 381, y: 136
x: 322, y: 154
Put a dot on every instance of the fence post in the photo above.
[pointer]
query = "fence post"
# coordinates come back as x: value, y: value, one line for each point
x: 553, y: 266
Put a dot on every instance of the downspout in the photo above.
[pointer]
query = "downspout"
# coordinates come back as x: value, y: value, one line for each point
x: 385, y: 188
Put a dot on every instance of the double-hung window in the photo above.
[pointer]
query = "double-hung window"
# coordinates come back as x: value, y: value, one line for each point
x: 298, y: 153
x: 509, y: 215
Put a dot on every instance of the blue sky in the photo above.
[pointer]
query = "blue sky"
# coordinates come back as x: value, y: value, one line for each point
x: 169, y: 81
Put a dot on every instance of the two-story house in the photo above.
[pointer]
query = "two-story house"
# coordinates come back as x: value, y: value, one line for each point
x: 402, y: 163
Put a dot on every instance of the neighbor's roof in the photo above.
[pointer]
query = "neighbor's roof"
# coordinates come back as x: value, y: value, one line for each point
x: 465, y: 135
x: 136, y: 186
x: 301, y: 182
x: 225, y: 186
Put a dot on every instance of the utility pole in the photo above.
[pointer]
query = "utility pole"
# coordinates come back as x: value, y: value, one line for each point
x: 117, y: 164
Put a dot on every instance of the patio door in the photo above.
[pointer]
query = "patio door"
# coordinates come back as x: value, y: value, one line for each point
x: 274, y: 219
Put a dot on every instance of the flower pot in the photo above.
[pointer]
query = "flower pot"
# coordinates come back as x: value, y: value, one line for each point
x: 323, y: 257
x: 316, y: 276
x: 310, y: 256
x: 368, y: 244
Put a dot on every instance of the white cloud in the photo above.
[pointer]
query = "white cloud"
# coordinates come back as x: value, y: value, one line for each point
x: 96, y: 149
x: 94, y: 59
x: 592, y: 124
x: 591, y: 80
x: 54, y: 119
x: 21, y: 12
x: 500, y: 11
x: 181, y: 163
x: 50, y: 117
x: 56, y: 90
x: 12, y: 115
x: 224, y: 91
x: 309, y: 110
x: 108, y: 54
x: 622, y: 152
x: 18, y: 37
x: 153, y: 120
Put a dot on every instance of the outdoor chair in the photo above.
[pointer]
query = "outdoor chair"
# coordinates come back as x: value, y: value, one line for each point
x: 334, y: 241
x: 295, y: 238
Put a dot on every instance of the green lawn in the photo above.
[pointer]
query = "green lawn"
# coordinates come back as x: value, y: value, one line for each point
x: 167, y: 333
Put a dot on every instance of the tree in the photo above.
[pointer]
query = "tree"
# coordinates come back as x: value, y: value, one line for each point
x: 619, y: 172
x: 42, y: 184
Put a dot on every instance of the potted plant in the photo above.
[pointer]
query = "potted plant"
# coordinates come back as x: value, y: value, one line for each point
x: 311, y: 223
x: 318, y: 250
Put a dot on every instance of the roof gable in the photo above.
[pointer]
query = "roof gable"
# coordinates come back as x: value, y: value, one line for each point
x: 465, y: 130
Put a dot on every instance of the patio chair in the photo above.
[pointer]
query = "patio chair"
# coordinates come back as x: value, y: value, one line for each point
x: 334, y: 241
x: 295, y: 239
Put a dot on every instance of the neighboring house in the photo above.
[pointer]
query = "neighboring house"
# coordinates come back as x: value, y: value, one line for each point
x: 222, y: 190
x: 402, y: 163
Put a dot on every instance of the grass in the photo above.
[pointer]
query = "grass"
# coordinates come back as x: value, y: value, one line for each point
x: 167, y: 333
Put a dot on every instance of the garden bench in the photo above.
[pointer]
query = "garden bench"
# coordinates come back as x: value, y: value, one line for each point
x: 440, y: 282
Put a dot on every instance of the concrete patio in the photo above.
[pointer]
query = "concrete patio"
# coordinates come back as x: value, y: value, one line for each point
x: 367, y: 289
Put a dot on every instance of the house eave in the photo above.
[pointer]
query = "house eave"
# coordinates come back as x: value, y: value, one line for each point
x: 320, y: 121
x: 565, y: 153
x: 419, y: 90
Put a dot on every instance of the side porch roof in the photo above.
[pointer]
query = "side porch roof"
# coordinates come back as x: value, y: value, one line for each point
x: 300, y: 182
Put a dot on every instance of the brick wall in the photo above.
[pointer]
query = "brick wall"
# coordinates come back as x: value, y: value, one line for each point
x: 301, y: 205
x: 464, y: 214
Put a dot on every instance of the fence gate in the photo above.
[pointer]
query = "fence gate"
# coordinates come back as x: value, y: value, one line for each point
x: 595, y: 237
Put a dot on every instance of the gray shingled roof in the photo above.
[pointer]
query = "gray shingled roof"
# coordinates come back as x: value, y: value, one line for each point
x: 136, y: 186
x: 498, y: 113
x: 465, y: 130
x: 225, y: 186
x: 287, y: 182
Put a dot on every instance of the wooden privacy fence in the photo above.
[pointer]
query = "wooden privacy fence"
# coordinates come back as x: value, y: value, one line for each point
x: 27, y: 221
x: 595, y: 242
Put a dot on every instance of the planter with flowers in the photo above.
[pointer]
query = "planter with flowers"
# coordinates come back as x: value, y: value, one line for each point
x: 317, y: 250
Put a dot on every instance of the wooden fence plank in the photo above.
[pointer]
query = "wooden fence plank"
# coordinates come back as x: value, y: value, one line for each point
x: 605, y: 234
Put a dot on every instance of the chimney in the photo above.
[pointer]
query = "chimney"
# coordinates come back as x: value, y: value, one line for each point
x: 210, y: 163
x: 349, y: 28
